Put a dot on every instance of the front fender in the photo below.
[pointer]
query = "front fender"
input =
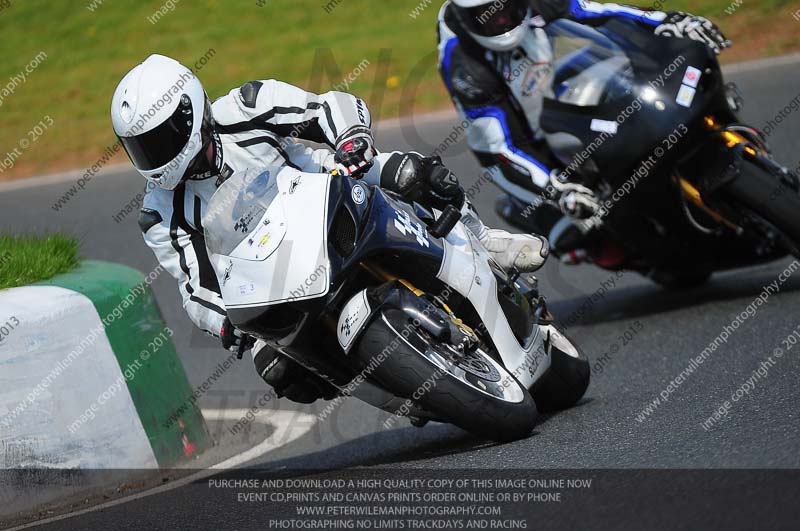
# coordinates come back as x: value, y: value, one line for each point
x: 467, y: 269
x: 360, y: 309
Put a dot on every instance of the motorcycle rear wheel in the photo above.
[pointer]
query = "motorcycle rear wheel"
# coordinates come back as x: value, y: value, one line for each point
x: 475, y: 394
x: 566, y: 380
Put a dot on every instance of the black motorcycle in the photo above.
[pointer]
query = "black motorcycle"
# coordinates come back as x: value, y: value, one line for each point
x: 650, y: 126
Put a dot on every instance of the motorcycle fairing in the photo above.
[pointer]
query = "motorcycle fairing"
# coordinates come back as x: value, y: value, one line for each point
x: 284, y: 255
x: 353, y: 319
x: 266, y: 237
x: 595, y: 84
x: 385, y: 227
x: 466, y: 268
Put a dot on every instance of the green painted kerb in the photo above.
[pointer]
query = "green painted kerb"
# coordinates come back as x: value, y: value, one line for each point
x: 158, y: 385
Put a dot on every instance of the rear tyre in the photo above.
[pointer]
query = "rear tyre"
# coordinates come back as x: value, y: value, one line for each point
x: 464, y: 394
x: 566, y: 380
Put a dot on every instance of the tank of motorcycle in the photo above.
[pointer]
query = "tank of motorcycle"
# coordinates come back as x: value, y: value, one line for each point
x: 618, y: 90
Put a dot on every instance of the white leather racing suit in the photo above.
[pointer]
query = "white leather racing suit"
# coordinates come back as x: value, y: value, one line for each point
x: 256, y: 126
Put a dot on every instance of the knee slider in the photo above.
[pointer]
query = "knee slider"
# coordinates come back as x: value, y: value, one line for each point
x: 264, y: 360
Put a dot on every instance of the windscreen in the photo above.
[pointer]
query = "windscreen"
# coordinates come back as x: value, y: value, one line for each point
x: 236, y: 207
x: 590, y: 69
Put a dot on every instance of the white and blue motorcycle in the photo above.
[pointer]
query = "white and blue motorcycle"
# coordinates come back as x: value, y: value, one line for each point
x: 391, y: 303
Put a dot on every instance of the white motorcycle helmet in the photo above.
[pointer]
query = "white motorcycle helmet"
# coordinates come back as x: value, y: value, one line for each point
x: 498, y: 25
x: 162, y: 117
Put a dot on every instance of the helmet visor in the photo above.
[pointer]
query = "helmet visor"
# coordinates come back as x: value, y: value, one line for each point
x: 160, y: 145
x: 495, y: 18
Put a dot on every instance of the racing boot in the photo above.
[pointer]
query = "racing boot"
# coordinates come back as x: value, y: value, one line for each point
x: 568, y: 242
x: 573, y: 243
x: 524, y: 252
x: 288, y: 378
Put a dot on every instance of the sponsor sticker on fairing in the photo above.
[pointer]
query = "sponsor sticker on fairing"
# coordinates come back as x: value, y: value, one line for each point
x: 354, y: 315
x: 692, y: 77
x: 227, y: 275
x: 685, y: 96
x: 246, y: 289
x: 604, y: 126
x: 408, y: 227
x: 294, y: 184
x: 358, y: 194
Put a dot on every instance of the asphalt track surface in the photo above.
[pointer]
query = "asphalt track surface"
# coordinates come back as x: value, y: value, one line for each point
x: 760, y: 431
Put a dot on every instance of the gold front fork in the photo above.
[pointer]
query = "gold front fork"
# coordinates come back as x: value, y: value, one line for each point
x: 693, y: 194
x: 381, y: 274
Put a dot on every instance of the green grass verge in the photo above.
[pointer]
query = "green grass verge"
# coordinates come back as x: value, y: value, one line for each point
x: 89, y: 50
x: 28, y: 259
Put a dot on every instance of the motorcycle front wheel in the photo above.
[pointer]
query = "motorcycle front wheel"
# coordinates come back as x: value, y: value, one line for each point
x: 470, y: 390
x: 776, y: 202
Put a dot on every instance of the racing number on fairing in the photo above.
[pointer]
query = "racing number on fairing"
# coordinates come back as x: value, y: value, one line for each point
x: 404, y: 224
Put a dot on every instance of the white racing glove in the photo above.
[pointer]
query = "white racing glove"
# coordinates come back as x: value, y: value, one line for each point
x: 355, y: 153
x: 574, y: 200
x: 680, y: 24
x: 578, y: 202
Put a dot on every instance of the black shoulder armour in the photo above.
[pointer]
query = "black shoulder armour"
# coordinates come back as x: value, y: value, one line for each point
x: 249, y: 93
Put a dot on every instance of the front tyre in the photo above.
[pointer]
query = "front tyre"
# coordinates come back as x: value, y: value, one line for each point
x: 776, y: 202
x: 566, y: 380
x: 471, y: 391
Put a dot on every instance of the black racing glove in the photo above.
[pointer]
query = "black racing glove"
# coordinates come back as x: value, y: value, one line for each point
x: 444, y: 186
x: 680, y: 24
x: 354, y: 154
x: 422, y: 179
x: 234, y: 339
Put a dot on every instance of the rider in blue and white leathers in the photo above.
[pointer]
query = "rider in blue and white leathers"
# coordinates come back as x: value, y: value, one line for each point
x: 496, y: 61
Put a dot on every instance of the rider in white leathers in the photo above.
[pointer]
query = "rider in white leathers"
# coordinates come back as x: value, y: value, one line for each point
x: 188, y: 147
